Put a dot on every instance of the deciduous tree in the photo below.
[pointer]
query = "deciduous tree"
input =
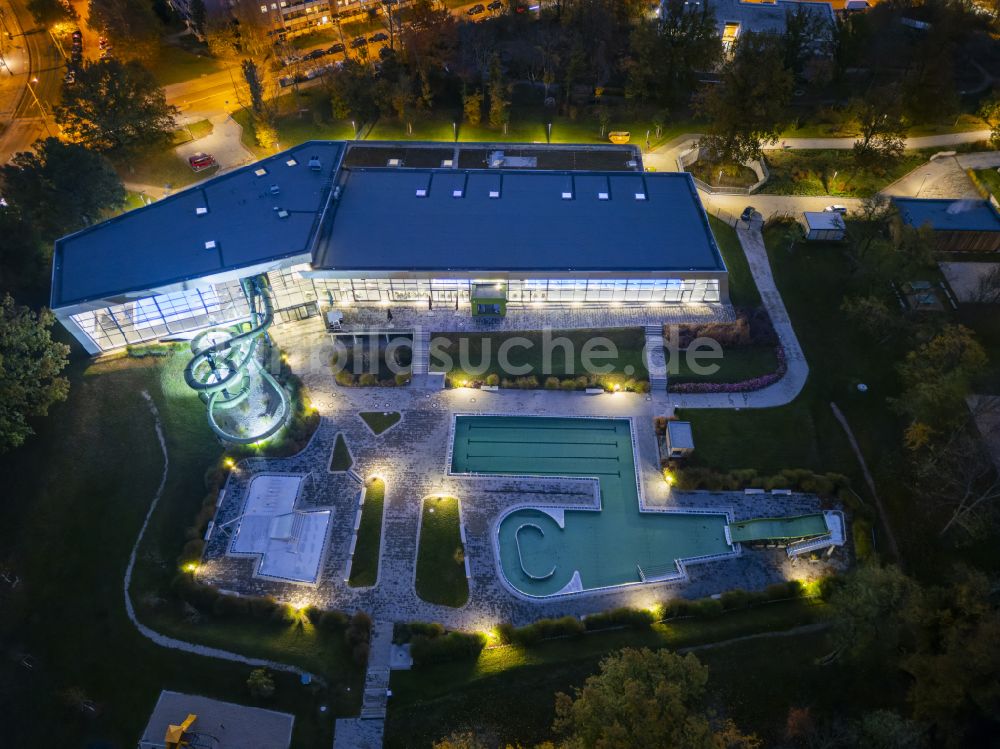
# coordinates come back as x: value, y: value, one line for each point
x: 115, y: 107
x: 883, y: 130
x: 746, y: 109
x: 61, y: 187
x: 31, y: 364
x: 641, y: 699
x: 131, y: 27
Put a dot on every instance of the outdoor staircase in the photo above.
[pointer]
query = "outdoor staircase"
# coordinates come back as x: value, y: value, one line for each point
x: 373, y: 704
x: 421, y: 354
x: 656, y: 358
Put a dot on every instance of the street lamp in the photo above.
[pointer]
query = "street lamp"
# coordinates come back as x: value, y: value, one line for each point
x: 550, y: 132
x: 454, y: 129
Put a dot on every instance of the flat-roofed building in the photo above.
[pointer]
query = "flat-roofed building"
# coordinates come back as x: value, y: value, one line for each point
x: 958, y: 225
x: 328, y: 235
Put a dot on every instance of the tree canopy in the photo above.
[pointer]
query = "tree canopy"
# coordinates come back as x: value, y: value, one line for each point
x: 61, y: 187
x: 131, y: 27
x: 641, y: 699
x: 746, y: 109
x: 30, y: 367
x: 115, y: 107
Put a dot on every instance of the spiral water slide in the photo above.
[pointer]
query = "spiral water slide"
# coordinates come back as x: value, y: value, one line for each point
x: 225, y: 368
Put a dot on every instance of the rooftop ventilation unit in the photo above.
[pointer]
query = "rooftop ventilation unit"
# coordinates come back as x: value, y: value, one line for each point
x: 421, y: 193
x: 315, y: 164
x: 282, y: 213
x: 640, y: 196
x: 210, y: 244
x: 395, y: 162
x: 603, y: 196
x: 275, y: 189
x: 291, y: 162
x: 567, y: 196
x: 456, y: 193
x: 494, y: 193
x: 200, y: 210
x: 260, y: 172
x: 447, y: 164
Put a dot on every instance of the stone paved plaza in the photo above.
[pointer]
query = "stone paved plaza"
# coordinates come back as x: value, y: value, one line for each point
x: 411, y: 458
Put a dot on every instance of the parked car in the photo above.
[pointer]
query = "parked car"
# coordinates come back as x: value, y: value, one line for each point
x: 315, y: 54
x: 358, y: 41
x: 496, y: 5
x: 841, y: 209
x: 476, y: 9
x: 379, y: 36
x: 335, y: 49
x: 748, y: 214
x: 201, y: 161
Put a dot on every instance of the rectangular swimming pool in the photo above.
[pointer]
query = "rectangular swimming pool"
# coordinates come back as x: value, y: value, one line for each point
x: 544, y: 552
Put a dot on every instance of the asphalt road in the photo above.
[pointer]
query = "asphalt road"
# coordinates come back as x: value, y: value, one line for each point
x: 46, y: 65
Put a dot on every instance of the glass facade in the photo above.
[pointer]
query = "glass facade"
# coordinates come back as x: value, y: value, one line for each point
x: 296, y: 297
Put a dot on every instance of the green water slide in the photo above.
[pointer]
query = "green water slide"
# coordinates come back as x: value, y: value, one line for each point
x: 778, y: 529
x: 226, y: 370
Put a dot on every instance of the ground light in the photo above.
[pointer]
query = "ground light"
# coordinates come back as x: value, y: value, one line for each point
x: 191, y: 567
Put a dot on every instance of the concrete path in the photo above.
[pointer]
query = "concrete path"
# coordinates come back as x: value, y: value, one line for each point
x: 785, y: 390
x: 366, y: 731
x: 945, y: 177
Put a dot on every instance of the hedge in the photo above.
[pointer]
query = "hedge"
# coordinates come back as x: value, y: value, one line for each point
x: 453, y: 646
x: 800, y: 479
x: 622, y: 617
x: 543, y: 629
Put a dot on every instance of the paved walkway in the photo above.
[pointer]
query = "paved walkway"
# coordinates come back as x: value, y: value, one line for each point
x: 411, y: 459
x: 788, y: 387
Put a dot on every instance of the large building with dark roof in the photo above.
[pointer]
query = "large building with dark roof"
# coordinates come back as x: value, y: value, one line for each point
x: 330, y: 235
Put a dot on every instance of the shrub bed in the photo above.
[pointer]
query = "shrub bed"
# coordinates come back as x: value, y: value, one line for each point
x: 744, y: 386
x: 690, y: 478
x: 622, y: 617
x: 543, y: 629
x: 427, y: 650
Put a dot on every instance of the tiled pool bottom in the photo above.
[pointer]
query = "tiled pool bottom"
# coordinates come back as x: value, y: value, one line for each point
x: 545, y: 552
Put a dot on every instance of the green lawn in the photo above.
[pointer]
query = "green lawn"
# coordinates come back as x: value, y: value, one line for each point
x: 483, y: 349
x: 440, y: 554
x: 736, y: 365
x: 364, y: 565
x: 379, y: 421
x: 759, y: 681
x: 727, y: 175
x: 508, y: 692
x: 83, y: 486
x: 175, y: 65
x: 990, y: 179
x: 341, y: 459
x: 742, y: 289
x: 833, y: 172
x: 159, y: 169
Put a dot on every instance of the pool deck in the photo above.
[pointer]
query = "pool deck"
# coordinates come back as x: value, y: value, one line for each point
x: 412, y: 458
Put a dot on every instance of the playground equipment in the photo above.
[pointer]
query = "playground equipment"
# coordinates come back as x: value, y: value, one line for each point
x: 177, y: 735
x: 245, y: 403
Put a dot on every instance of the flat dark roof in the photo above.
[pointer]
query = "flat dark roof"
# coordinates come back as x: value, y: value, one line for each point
x: 165, y: 242
x: 944, y: 214
x: 519, y: 221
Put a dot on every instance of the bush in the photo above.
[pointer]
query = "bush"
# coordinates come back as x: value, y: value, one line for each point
x: 707, y: 608
x: 368, y: 380
x: 359, y: 629
x: 582, y: 382
x: 403, y: 632
x: 779, y: 591
x: 453, y: 646
x: 569, y: 384
x: 861, y: 532
x: 402, y: 378
x: 690, y: 478
x: 527, y: 383
x: 735, y: 599
x: 551, y: 383
x: 345, y: 379
x: 360, y: 653
x: 260, y: 683
x: 226, y: 606
x: 262, y: 607
x: 621, y: 617
x: 492, y: 379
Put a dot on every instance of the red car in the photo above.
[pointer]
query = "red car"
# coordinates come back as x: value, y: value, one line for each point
x: 200, y: 161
